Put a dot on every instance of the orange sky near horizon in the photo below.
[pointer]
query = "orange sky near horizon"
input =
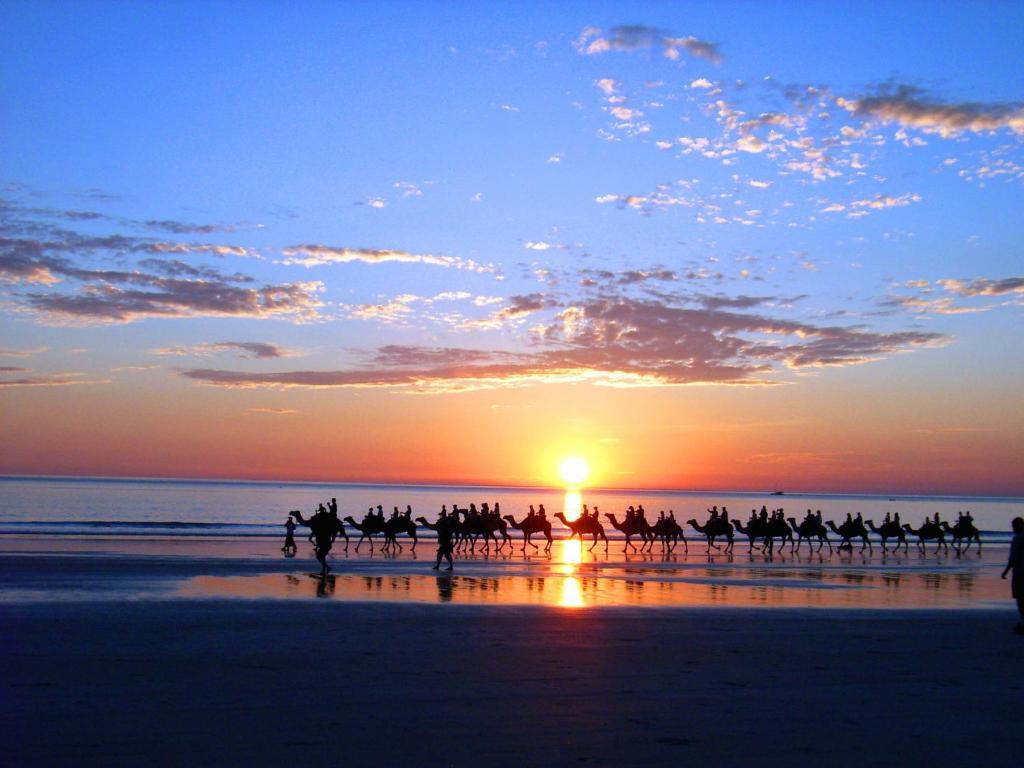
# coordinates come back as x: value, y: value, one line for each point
x: 710, y: 437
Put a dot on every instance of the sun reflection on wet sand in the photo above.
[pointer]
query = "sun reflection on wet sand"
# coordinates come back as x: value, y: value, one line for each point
x: 563, y: 584
x: 572, y: 595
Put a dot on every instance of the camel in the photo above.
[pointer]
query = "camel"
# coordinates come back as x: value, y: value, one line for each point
x: 631, y: 527
x: 927, y: 532
x: 369, y: 528
x: 395, y: 526
x: 669, y: 532
x: 585, y: 525
x: 961, y: 531
x: 890, y: 530
x: 530, y: 526
x: 339, y: 530
x: 472, y: 527
x: 810, y: 529
x: 849, y: 531
x: 712, y: 530
x: 750, y: 531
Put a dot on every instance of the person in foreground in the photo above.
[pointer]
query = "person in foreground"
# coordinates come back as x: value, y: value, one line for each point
x: 445, y: 540
x: 1016, y: 564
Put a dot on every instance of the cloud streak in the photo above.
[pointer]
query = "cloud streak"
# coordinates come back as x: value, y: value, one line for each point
x: 909, y: 106
x: 613, y: 340
x: 317, y: 255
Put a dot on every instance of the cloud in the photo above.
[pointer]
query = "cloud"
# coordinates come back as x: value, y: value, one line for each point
x: 316, y: 255
x: 270, y: 411
x: 178, y: 298
x: 388, y: 312
x: 984, y: 287
x: 607, y: 85
x: 184, y: 228
x: 616, y: 341
x: 68, y: 379
x: 702, y: 82
x: 249, y: 350
x: 12, y: 352
x: 909, y: 106
x: 408, y: 189
x: 634, y: 37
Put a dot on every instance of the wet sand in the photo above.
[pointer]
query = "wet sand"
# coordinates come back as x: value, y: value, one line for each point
x: 111, y: 662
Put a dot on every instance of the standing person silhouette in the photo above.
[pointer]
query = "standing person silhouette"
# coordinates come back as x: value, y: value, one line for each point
x: 322, y: 529
x: 445, y: 540
x: 289, y: 537
x: 1016, y: 564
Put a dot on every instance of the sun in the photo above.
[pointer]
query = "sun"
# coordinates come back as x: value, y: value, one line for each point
x: 574, y: 470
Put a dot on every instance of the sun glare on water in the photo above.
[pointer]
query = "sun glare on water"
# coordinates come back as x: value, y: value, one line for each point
x: 574, y: 470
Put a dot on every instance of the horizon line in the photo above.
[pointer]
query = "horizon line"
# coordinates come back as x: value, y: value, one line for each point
x: 539, y: 487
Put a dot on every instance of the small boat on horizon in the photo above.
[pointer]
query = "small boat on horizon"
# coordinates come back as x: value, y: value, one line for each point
x: 778, y: 493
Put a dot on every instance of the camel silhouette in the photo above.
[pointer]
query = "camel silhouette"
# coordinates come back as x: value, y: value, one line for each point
x: 370, y: 527
x: 890, y: 530
x: 339, y: 528
x: 395, y: 526
x: 471, y: 528
x: 635, y: 526
x: 810, y: 529
x: 927, y: 532
x: 712, y: 530
x: 530, y: 526
x: 751, y: 532
x: 585, y: 525
x: 669, y: 532
x: 849, y: 531
x: 963, y: 531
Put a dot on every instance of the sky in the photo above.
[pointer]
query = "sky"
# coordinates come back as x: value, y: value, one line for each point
x: 701, y: 245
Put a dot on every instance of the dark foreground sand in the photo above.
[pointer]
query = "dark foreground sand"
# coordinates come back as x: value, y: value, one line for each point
x: 240, y: 682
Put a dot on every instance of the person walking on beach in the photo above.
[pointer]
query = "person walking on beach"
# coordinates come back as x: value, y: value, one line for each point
x: 445, y: 540
x: 289, y: 537
x: 322, y: 529
x: 1016, y: 564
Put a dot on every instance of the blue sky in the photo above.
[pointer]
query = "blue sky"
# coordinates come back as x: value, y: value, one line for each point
x: 432, y: 198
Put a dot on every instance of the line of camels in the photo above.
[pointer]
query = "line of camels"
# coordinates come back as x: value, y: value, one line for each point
x: 472, y: 527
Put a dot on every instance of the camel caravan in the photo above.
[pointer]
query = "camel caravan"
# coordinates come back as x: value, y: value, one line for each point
x: 472, y: 528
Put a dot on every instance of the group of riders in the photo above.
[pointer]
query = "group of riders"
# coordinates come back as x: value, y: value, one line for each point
x: 460, y: 526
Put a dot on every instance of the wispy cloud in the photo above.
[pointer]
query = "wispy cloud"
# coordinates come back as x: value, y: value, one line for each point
x: 618, y: 341
x: 250, y: 350
x: 316, y: 255
x: 634, y: 37
x: 911, y: 107
x: 68, y: 379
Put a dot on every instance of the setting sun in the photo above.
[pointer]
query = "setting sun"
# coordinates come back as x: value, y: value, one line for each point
x: 574, y: 470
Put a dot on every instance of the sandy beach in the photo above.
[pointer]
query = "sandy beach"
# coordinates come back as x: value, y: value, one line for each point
x: 110, y: 660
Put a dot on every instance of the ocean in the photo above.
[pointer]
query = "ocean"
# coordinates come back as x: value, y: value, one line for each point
x: 209, y: 508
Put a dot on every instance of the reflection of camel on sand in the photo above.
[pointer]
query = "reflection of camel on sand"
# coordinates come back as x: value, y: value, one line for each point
x: 635, y: 526
x: 713, y: 530
x: 530, y: 526
x: 927, y: 532
x: 810, y: 529
x: 585, y: 525
x: 963, y: 534
x: 890, y: 530
x: 849, y: 531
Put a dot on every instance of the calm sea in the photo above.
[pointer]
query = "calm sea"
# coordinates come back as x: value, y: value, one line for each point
x: 84, y: 507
